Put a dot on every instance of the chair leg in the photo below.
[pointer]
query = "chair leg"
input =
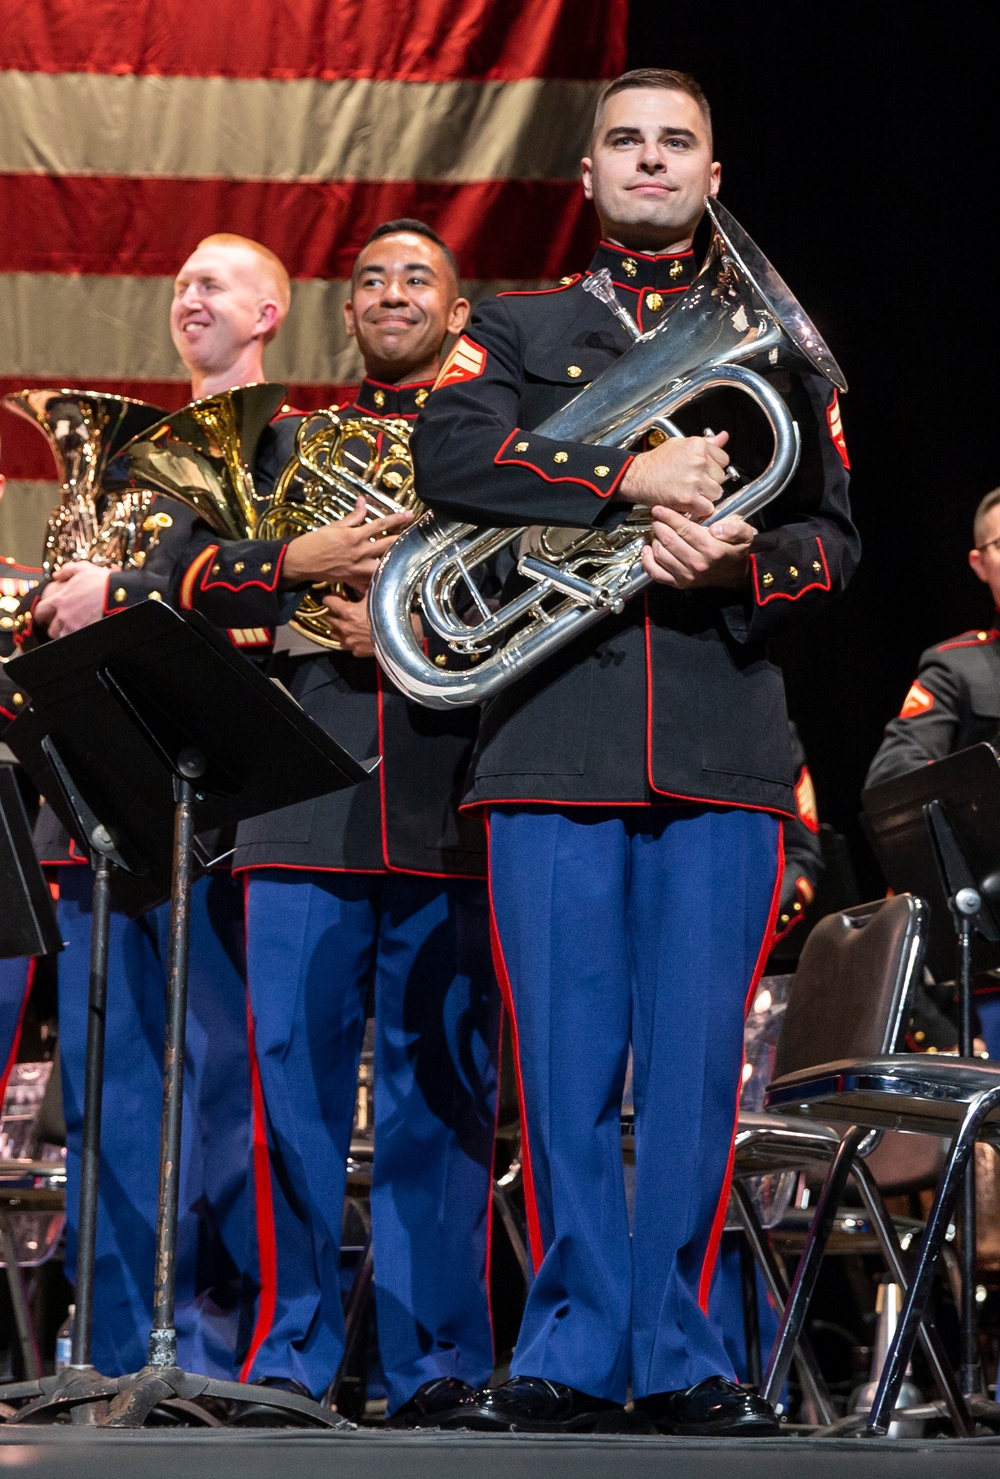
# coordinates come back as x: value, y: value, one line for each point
x: 919, y: 1288
x: 937, y: 1358
x: 357, y: 1308
x: 813, y: 1385
x: 751, y: 1312
x: 505, y: 1207
x: 804, y: 1283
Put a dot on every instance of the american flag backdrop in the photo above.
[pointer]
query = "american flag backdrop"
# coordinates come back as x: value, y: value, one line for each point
x: 129, y: 129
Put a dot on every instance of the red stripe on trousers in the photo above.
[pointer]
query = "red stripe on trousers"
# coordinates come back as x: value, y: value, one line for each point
x: 267, y: 1250
x: 16, y: 1042
x: 416, y: 41
x: 503, y: 980
x: 489, y: 1208
x: 26, y: 452
x: 108, y: 225
x: 719, y: 1220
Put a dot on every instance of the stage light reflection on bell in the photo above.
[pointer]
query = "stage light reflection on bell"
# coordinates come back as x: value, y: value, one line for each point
x: 747, y: 1072
x: 762, y: 1003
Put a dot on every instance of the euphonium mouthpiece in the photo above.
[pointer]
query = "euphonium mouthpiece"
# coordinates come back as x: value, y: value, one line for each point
x: 599, y: 284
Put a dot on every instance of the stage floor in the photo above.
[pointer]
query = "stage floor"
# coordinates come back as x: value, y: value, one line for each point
x: 62, y: 1452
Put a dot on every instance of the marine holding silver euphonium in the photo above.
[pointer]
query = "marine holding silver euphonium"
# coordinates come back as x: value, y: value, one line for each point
x: 737, y: 319
x: 84, y: 430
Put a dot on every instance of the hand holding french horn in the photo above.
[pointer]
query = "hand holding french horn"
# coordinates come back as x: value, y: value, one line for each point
x: 346, y: 552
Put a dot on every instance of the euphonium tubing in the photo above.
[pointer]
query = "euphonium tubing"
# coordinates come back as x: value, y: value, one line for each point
x: 338, y: 458
x: 737, y: 317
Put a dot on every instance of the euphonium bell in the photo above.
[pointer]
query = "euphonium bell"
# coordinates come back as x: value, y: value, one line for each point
x: 736, y: 319
x: 84, y: 430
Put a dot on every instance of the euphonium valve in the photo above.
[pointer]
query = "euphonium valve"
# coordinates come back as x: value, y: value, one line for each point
x: 737, y: 319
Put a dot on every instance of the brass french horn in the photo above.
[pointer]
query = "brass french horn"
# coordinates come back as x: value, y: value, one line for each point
x: 339, y: 457
x: 203, y: 454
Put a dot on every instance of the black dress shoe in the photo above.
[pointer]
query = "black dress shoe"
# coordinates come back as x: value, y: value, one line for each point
x: 437, y: 1404
x: 715, y: 1408
x: 260, y: 1415
x: 530, y: 1404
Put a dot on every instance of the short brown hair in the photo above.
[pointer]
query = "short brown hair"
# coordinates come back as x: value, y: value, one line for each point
x: 985, y: 504
x: 663, y: 77
x: 415, y: 228
x: 274, y: 269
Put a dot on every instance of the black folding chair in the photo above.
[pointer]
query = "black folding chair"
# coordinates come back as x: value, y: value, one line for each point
x: 850, y: 996
x: 848, y: 1007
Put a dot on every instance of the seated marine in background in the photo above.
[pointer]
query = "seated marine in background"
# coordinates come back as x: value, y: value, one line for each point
x: 954, y: 702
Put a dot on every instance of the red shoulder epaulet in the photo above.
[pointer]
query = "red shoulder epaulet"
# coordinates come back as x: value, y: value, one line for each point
x: 283, y: 412
x: 560, y: 287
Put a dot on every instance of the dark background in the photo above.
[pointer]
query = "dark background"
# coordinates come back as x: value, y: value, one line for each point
x: 858, y: 148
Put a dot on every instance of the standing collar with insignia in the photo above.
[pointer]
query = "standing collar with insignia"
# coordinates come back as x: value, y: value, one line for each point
x: 643, y: 271
x: 392, y: 400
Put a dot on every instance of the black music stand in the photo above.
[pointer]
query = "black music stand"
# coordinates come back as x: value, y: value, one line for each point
x: 27, y: 921
x: 151, y: 724
x: 936, y: 832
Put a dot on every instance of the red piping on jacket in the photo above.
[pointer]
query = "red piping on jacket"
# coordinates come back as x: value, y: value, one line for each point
x: 381, y: 772
x: 191, y: 575
x: 224, y: 585
x: 392, y: 867
x: 403, y: 385
x: 569, y: 478
x: 560, y: 287
x: 503, y: 980
x: 976, y: 641
x: 719, y: 1220
x: 814, y: 585
x: 778, y: 811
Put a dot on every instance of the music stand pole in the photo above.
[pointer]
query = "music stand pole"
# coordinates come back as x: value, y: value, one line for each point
x: 965, y: 903
x: 163, y: 1335
x: 93, y: 1093
x: 80, y: 1384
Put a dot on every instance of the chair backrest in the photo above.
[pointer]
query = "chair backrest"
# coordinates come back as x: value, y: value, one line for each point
x: 853, y: 984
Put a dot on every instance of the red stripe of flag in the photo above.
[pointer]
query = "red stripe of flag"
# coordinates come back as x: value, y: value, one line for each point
x: 511, y: 229
x: 409, y: 40
x: 24, y: 452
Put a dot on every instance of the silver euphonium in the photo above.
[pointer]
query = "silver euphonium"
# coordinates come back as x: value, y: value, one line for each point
x: 84, y: 430
x: 737, y: 315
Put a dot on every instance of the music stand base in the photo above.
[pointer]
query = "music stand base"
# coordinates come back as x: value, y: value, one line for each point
x: 73, y: 1387
x: 127, y: 1401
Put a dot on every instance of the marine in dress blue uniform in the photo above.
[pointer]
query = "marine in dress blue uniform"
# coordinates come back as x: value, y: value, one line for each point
x: 954, y: 702
x: 227, y: 291
x: 376, y: 890
x: 634, y: 785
